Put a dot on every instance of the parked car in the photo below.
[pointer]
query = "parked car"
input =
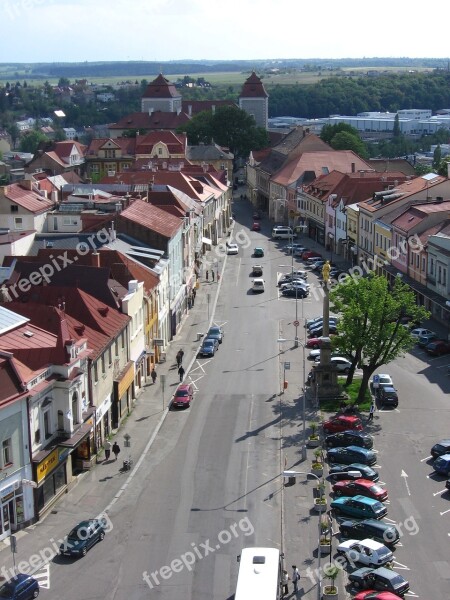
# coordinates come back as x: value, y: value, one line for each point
x: 360, y: 507
x: 183, y: 396
x: 363, y: 487
x: 314, y: 342
x: 319, y: 319
x: 382, y: 532
x: 318, y: 331
x: 310, y: 254
x: 209, y: 347
x: 289, y: 278
x: 342, y: 423
x: 351, y: 454
x: 20, y: 587
x: 438, y: 347
x: 82, y: 537
x: 418, y: 331
x: 256, y: 226
x: 332, y: 321
x: 295, y: 292
x: 425, y: 339
x: 374, y: 595
x: 232, y: 248
x: 442, y: 465
x: 379, y: 579
x: 258, y: 252
x: 216, y: 332
x: 440, y: 448
x: 342, y: 364
x: 366, y: 552
x: 379, y: 381
x: 352, y: 471
x: 388, y: 396
x: 295, y: 283
x: 349, y: 438
x: 257, y: 270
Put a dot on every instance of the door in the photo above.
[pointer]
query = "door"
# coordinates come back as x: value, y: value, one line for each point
x: 6, y: 520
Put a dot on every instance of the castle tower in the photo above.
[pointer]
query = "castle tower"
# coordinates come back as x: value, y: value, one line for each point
x: 161, y: 95
x: 255, y: 100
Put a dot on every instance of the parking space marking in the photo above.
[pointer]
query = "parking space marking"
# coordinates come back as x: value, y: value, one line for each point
x: 194, y: 382
x: 445, y: 512
x: 440, y: 492
x: 426, y: 458
x: 400, y: 566
x: 200, y: 366
x: 443, y: 366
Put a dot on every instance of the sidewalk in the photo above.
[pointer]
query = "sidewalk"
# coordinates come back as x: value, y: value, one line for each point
x: 101, y: 486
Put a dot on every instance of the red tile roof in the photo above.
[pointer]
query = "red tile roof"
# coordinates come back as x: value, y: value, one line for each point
x: 10, y: 383
x: 161, y: 88
x: 176, y: 143
x: 157, y: 120
x: 27, y: 199
x: 152, y: 217
x: 413, y: 215
x: 253, y: 88
x: 126, y: 144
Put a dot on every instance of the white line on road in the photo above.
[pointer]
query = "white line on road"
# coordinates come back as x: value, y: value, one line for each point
x: 445, y: 512
x: 405, y: 477
x: 426, y: 458
x: 440, y: 492
x: 400, y: 566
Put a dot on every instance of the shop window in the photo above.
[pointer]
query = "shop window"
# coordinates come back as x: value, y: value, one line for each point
x: 7, y: 455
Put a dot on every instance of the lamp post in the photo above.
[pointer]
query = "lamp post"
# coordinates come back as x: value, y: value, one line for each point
x: 281, y: 341
x: 294, y: 473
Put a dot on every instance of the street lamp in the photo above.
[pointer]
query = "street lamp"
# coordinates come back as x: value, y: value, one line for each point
x: 293, y: 474
x: 296, y: 344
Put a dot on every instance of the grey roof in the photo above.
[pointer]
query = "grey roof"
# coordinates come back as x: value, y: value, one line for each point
x: 64, y: 241
x: 207, y: 153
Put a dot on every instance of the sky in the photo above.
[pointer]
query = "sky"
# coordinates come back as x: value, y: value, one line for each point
x: 164, y: 30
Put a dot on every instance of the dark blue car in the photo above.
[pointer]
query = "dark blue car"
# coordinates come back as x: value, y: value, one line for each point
x: 20, y: 587
x: 209, y: 347
x: 341, y: 472
x: 351, y: 454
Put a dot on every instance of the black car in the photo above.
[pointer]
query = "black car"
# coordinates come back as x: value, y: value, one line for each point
x: 295, y: 292
x: 349, y: 438
x: 82, y: 537
x: 382, y: 579
x: 353, y: 471
x: 442, y: 447
x: 384, y: 533
x: 387, y: 396
x: 318, y: 331
x: 20, y: 587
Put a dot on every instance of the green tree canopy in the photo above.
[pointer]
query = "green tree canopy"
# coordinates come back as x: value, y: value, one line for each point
x: 370, y: 328
x: 348, y: 141
x: 31, y: 141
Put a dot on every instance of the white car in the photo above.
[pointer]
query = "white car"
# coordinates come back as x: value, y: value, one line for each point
x: 258, y: 285
x: 379, y: 381
x: 367, y: 552
x: 416, y: 333
x: 342, y: 364
x: 232, y: 248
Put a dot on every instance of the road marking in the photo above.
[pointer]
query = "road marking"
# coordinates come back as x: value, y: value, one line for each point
x: 200, y: 366
x: 443, y: 366
x: 400, y: 566
x: 405, y: 477
x: 440, y: 492
x: 426, y: 458
x: 445, y: 512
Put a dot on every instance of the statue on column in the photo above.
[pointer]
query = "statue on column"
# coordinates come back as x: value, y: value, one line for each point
x: 326, y: 271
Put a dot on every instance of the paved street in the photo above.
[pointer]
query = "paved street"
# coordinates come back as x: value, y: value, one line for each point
x: 207, y: 482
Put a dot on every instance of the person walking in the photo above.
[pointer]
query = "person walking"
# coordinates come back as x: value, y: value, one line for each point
x: 207, y: 274
x: 212, y: 275
x: 179, y: 358
x: 181, y: 372
x: 107, y: 449
x: 116, y: 449
x: 371, y: 411
x: 284, y: 582
x: 181, y: 353
x: 295, y: 577
x: 154, y: 375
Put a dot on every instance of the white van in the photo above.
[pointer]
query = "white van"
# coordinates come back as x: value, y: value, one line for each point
x: 258, y: 285
x: 284, y: 233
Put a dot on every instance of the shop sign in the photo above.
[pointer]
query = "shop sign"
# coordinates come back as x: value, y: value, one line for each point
x: 47, y: 465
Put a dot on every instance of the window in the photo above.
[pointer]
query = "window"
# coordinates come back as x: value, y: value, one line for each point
x: 431, y: 266
x: 110, y: 154
x: 103, y: 364
x: 95, y: 372
x: 75, y: 408
x: 14, y: 208
x: 423, y: 263
x: 7, y: 456
x: 47, y: 424
x: 116, y: 348
x: 18, y: 223
x: 122, y: 340
x: 110, y: 356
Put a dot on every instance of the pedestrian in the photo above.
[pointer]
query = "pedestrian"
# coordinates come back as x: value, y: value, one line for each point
x: 295, y: 577
x: 212, y: 275
x: 179, y: 358
x: 207, y: 274
x: 116, y: 449
x: 371, y: 411
x: 107, y: 449
x: 194, y: 292
x: 154, y: 375
x: 181, y: 352
x: 180, y: 373
x: 284, y: 582
x: 218, y: 276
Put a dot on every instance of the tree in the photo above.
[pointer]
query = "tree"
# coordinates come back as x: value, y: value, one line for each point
x: 329, y: 131
x: 396, y: 132
x: 437, y: 156
x: 347, y: 141
x: 371, y: 327
x: 31, y: 141
x: 14, y: 133
x: 443, y: 166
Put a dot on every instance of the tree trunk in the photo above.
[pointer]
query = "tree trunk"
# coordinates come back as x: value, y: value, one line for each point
x: 367, y: 372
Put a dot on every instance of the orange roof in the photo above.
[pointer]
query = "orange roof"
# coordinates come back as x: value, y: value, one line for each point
x: 27, y: 199
x: 152, y: 217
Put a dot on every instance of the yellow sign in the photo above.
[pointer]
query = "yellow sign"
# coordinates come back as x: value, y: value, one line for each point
x: 47, y: 465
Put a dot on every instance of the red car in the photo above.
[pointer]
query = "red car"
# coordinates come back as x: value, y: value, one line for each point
x: 310, y: 254
x: 342, y: 423
x: 315, y: 342
x: 365, y: 487
x: 256, y: 226
x: 438, y: 347
x: 374, y: 595
x: 183, y: 396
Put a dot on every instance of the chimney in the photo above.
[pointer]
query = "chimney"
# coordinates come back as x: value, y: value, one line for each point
x: 95, y: 257
x: 27, y: 184
x: 133, y: 285
x: 353, y: 167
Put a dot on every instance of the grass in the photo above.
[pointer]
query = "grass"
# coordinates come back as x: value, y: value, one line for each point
x: 352, y: 390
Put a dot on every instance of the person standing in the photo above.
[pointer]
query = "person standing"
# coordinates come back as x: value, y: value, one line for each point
x: 194, y: 292
x: 207, y: 274
x: 153, y: 375
x: 295, y: 577
x: 116, y: 449
x: 284, y: 582
x: 181, y: 372
x: 371, y: 411
x: 107, y: 449
x: 212, y: 275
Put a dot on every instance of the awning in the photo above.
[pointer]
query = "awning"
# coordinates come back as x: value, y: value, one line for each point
x: 206, y: 240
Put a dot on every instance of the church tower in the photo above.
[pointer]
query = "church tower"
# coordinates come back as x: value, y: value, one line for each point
x: 161, y: 95
x: 255, y: 100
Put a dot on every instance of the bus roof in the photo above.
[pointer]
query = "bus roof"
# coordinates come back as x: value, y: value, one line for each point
x: 259, y: 572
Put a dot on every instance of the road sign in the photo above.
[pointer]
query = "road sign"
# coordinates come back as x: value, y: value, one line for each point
x: 296, y: 323
x: 162, y: 380
x: 287, y: 366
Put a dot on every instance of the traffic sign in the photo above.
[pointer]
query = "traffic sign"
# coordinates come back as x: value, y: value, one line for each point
x: 296, y: 323
x: 287, y: 366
